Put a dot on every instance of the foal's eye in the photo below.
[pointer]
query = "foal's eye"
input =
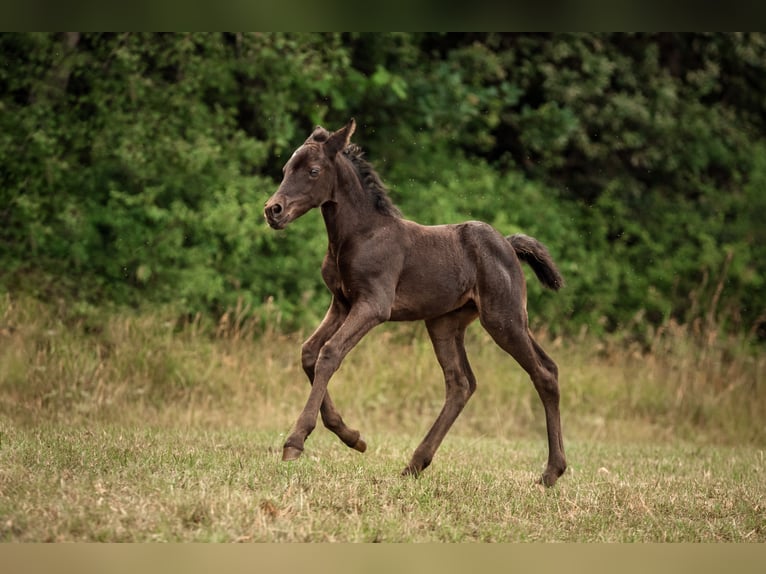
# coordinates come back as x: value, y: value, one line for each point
x: 314, y: 171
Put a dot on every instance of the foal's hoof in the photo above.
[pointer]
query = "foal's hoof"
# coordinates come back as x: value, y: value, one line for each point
x: 410, y: 470
x: 360, y: 445
x: 291, y: 453
x: 548, y: 479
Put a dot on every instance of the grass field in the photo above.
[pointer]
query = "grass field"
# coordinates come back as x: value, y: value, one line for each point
x: 116, y: 484
x: 135, y: 428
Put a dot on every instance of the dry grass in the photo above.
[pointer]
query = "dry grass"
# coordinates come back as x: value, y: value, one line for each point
x: 148, y: 484
x: 133, y: 427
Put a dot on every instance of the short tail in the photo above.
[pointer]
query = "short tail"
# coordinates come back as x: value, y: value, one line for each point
x: 534, y: 253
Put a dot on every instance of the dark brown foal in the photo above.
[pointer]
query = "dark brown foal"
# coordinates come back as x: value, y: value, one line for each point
x: 381, y: 267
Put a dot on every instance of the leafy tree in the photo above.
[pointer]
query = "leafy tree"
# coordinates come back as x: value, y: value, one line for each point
x: 135, y: 166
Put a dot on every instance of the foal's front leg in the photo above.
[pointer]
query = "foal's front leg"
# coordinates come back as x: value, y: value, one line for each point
x: 331, y: 418
x: 361, y: 318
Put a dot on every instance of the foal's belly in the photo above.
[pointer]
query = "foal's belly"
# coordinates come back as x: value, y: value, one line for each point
x: 429, y: 298
x: 437, y: 275
x: 403, y: 313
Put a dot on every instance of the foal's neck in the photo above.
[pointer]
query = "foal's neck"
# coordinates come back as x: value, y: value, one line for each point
x: 351, y: 211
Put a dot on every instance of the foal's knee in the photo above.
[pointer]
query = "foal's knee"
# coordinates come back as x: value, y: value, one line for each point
x: 328, y: 359
x: 308, y: 358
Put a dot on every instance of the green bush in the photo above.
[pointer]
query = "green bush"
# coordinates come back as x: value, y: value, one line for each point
x: 135, y: 166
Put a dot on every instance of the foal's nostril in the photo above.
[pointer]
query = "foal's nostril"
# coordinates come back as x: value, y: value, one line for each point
x: 274, y: 214
x: 273, y: 210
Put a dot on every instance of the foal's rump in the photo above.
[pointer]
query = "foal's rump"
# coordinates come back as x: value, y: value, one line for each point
x: 487, y: 241
x: 447, y: 264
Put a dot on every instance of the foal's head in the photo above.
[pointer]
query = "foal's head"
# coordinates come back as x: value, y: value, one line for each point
x: 309, y: 176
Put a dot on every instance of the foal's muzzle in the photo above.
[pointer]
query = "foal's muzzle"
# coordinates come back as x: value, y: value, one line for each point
x: 275, y: 214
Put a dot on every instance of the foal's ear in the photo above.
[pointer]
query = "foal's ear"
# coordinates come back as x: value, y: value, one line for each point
x: 340, y: 139
x: 318, y: 135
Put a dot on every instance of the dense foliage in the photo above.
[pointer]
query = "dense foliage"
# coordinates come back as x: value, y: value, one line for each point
x: 135, y: 166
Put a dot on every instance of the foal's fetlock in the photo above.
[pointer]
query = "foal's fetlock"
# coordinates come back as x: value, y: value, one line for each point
x: 411, y: 470
x: 415, y: 468
x: 359, y: 445
x: 352, y: 439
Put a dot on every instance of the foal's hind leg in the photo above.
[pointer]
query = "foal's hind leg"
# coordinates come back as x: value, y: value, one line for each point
x: 510, y: 331
x: 447, y: 334
x: 549, y: 393
x: 503, y: 313
x: 309, y: 354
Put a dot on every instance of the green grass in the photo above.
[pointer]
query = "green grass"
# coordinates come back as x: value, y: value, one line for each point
x: 117, y: 427
x: 117, y: 484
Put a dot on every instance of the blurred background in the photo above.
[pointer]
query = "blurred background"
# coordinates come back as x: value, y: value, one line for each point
x: 134, y: 166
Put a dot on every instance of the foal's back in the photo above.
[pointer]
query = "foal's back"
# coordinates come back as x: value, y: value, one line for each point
x: 439, y: 266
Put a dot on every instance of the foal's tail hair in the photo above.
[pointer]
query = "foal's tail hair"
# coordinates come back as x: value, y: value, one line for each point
x: 531, y: 251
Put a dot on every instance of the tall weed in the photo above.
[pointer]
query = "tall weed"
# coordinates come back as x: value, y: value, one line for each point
x: 73, y: 366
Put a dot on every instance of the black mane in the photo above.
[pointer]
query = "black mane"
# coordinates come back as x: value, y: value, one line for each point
x: 371, y: 181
